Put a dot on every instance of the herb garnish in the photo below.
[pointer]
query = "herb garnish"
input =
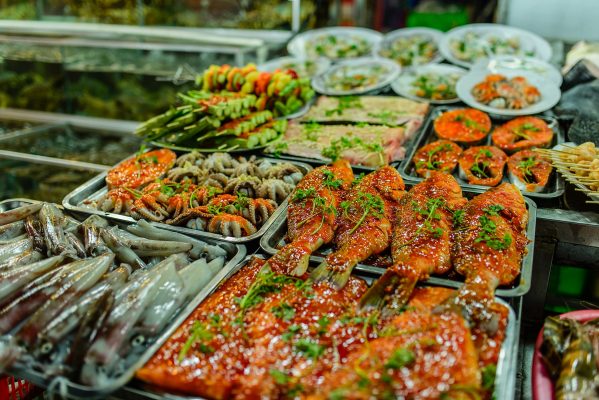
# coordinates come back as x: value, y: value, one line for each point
x: 310, y: 349
x: 345, y: 102
x: 400, y: 358
x: 291, y: 331
x: 430, y: 163
x: 311, y: 130
x: 430, y: 214
x: 488, y: 374
x: 488, y: 230
x: 337, y: 146
x: 214, y: 209
x: 284, y: 311
x: 368, y: 204
x: 278, y: 148
x: 522, y: 129
x: 320, y: 205
x: 330, y: 181
x: 197, y: 333
x: 323, y: 322
x: 280, y: 377
x: 479, y: 168
x: 458, y: 218
x: 526, y: 167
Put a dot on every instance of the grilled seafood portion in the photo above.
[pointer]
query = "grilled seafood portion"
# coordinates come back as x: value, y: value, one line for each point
x: 482, y: 165
x: 365, y: 218
x: 94, y: 296
x: 522, y: 133
x: 489, y: 243
x: 311, y: 216
x: 140, y: 169
x: 262, y: 335
x: 216, y: 193
x: 502, y: 92
x: 529, y: 170
x: 466, y: 126
x: 421, y: 241
x: 440, y: 155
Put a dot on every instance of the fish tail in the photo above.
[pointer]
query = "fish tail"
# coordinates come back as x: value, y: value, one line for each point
x: 294, y: 258
x: 474, y: 301
x: 391, y: 291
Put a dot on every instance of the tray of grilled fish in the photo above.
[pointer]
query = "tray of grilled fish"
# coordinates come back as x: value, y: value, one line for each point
x: 264, y: 333
x: 216, y: 195
x: 483, y: 152
x: 408, y: 232
x: 82, y: 303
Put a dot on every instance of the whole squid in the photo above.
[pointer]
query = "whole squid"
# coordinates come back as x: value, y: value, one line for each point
x: 67, y: 290
x: 145, y: 229
x: 52, y: 221
x: 15, y: 278
x: 105, y: 352
x: 19, y: 213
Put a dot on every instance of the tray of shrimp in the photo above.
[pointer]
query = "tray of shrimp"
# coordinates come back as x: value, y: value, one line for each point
x: 482, y: 152
x: 215, y: 195
x: 265, y: 333
x: 82, y: 303
x: 431, y: 231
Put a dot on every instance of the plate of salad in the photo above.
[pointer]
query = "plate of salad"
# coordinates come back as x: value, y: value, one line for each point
x: 335, y: 43
x: 411, y: 46
x: 359, y: 76
x: 467, y: 44
x: 434, y: 83
x: 305, y: 68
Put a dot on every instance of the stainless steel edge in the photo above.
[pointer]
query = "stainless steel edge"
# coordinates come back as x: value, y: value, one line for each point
x: 77, y: 121
x: 57, y: 162
x: 75, y: 390
x: 427, y: 131
x: 278, y: 230
x: 504, y: 378
x: 91, y: 188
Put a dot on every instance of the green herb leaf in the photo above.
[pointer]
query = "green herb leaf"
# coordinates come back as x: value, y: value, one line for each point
x: 280, y: 377
x: 310, y: 349
x: 284, y: 311
x: 400, y: 358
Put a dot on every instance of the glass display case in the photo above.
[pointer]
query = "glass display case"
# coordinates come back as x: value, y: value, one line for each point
x: 127, y: 59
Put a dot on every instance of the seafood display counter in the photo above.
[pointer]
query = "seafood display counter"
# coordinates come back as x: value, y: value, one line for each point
x: 397, y: 246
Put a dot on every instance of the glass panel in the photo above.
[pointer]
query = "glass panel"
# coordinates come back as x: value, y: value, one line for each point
x: 72, y: 144
x: 39, y: 182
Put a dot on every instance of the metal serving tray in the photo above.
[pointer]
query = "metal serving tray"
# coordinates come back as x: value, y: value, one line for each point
x: 96, y: 187
x: 504, y: 378
x: 555, y: 186
x: 65, y: 387
x: 275, y: 237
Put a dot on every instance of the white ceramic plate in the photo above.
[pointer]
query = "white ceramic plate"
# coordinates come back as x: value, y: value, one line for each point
x: 390, y: 73
x: 435, y: 35
x: 550, y: 93
x: 319, y: 66
x: 507, y: 64
x: 530, y: 44
x: 303, y: 45
x: 403, y: 85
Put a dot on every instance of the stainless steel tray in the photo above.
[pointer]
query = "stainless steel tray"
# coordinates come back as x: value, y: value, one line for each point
x: 96, y: 187
x: 555, y: 187
x: 67, y: 388
x: 504, y: 378
x: 275, y: 237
